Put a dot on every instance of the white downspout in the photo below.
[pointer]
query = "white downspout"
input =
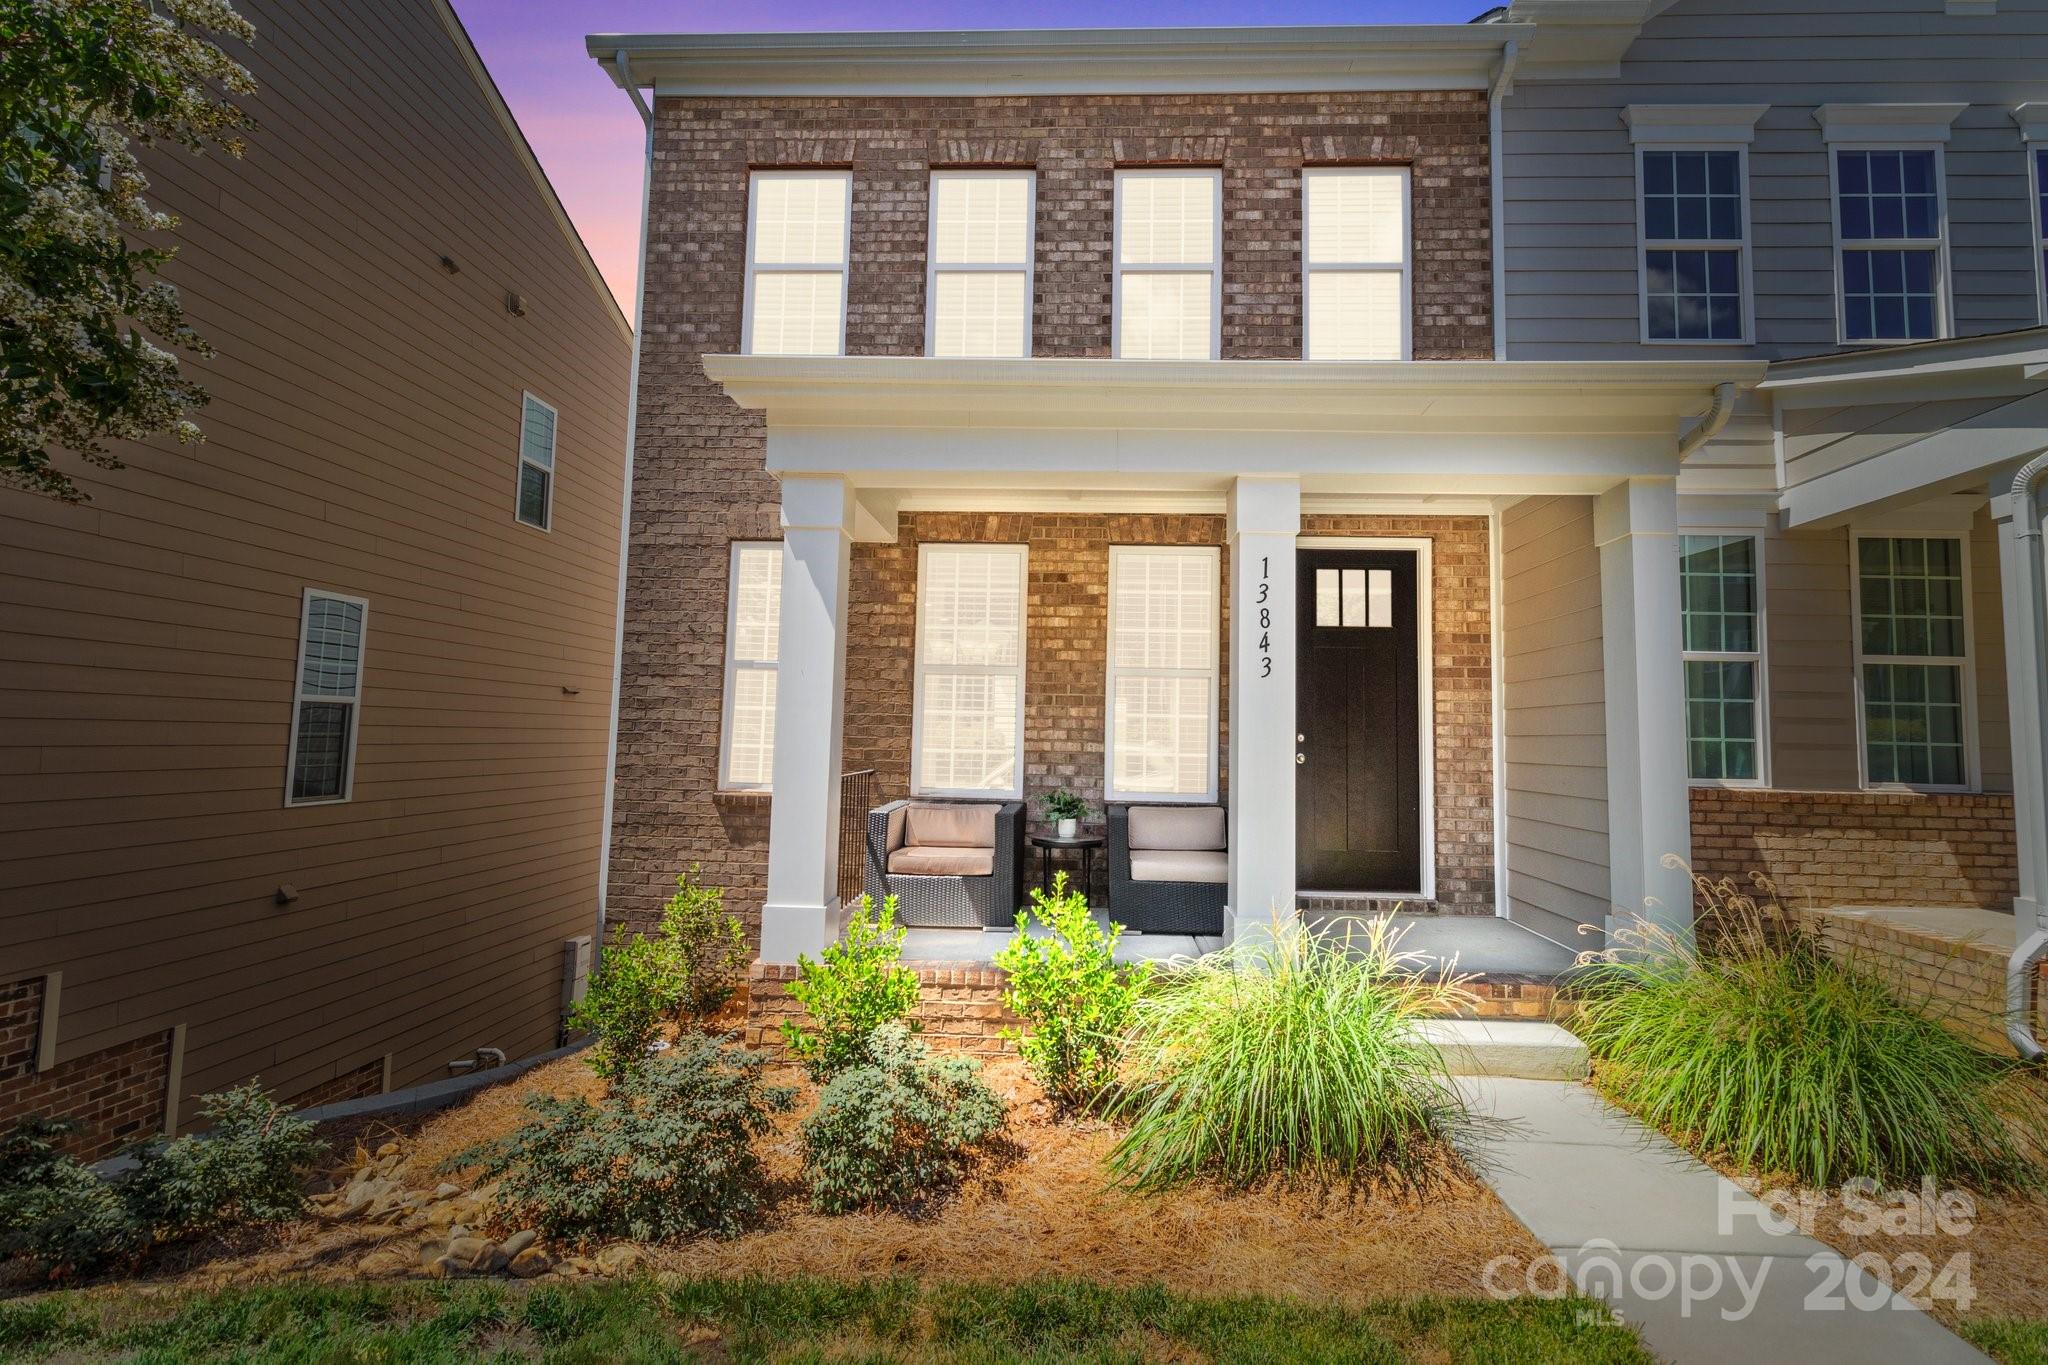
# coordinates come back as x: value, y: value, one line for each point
x: 2031, y: 583
x: 1710, y: 424
x: 1499, y: 89
x: 611, y: 745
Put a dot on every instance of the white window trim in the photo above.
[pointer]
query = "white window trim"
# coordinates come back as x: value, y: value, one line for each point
x: 2037, y: 184
x: 1214, y: 673
x: 546, y: 524
x: 354, y: 703
x: 754, y: 269
x: 1759, y: 658
x: 1973, y: 769
x: 1745, y: 253
x: 1944, y: 303
x: 919, y: 668
x: 1405, y: 267
x: 1118, y: 269
x: 733, y: 665
x: 1028, y: 267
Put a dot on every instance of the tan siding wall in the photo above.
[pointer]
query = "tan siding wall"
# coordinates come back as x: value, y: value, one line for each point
x: 1555, y: 703
x: 363, y: 438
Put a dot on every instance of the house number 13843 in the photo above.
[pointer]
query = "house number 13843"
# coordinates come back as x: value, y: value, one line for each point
x: 1265, y: 617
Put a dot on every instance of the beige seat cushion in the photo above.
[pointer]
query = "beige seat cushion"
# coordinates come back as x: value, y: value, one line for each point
x: 1179, y: 865
x: 962, y: 826
x: 1177, y: 827
x: 943, y: 862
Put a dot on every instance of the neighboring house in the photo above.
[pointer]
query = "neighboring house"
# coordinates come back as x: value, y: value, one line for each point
x: 306, y: 724
x: 1141, y: 411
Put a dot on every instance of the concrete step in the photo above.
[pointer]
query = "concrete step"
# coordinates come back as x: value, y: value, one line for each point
x: 1525, y: 1049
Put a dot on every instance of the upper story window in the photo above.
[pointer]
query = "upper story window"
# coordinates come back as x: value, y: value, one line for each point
x: 753, y: 623
x: 1913, y: 659
x: 326, y: 694
x: 1169, y: 265
x: 1355, y: 263
x: 978, y: 289
x: 1721, y: 617
x: 1695, y: 243
x: 536, y: 504
x: 797, y: 245
x: 1889, y: 223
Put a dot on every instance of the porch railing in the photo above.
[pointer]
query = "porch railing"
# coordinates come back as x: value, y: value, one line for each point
x: 856, y: 799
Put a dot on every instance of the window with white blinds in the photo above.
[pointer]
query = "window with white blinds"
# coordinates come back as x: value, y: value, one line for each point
x: 536, y: 499
x: 1169, y: 264
x: 978, y: 280
x: 1355, y: 262
x: 1163, y: 684
x: 797, y: 224
x: 969, y: 718
x: 327, y: 693
x: 752, y: 628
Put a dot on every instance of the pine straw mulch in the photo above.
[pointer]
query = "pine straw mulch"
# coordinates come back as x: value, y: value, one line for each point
x: 1037, y: 1206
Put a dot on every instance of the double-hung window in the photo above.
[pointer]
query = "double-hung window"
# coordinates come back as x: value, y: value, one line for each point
x: 2037, y: 156
x: 1355, y: 262
x: 536, y: 503
x: 1169, y: 265
x: 1913, y: 660
x: 968, y: 726
x: 978, y: 280
x: 327, y: 694
x: 797, y: 245
x: 1695, y: 243
x: 1722, y: 624
x: 1889, y: 225
x: 1163, y: 652
x: 753, y: 622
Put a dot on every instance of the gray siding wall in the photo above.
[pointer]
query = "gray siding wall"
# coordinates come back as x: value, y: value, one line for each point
x: 1569, y: 167
x: 1555, y: 730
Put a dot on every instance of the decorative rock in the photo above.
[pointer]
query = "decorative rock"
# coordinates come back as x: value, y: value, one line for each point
x: 469, y: 1253
x: 386, y: 1260
x: 446, y: 1190
x: 575, y: 1265
x: 519, y: 1241
x: 388, y: 1149
x: 457, y: 1231
x: 619, y: 1258
x: 431, y: 1252
x: 440, y: 1269
x: 531, y: 1262
x: 440, y: 1215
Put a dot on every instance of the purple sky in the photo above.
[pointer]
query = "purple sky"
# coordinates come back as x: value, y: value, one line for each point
x: 588, y: 137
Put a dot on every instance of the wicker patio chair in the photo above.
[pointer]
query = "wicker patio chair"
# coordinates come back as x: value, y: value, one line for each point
x: 950, y: 864
x: 1169, y: 868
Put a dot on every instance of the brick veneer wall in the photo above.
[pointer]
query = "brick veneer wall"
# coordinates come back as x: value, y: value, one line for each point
x: 699, y: 482
x: 1861, y: 848
x: 960, y: 1007
x: 360, y: 1083
x: 1963, y: 980
x: 117, y: 1094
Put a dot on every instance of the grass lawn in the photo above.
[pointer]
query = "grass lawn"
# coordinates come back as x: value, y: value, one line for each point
x: 2011, y: 1340
x: 789, y: 1320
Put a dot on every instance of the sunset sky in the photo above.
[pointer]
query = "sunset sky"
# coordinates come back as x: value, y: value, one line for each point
x: 589, y: 139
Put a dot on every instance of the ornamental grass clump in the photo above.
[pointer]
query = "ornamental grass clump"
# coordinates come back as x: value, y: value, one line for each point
x: 1291, y: 1052
x: 1759, y: 1046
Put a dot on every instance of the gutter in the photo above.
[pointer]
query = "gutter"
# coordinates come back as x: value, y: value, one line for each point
x: 1502, y: 85
x: 624, y: 67
x: 2027, y: 486
x: 1711, y: 423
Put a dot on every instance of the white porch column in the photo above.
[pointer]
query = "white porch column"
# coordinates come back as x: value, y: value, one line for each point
x: 801, y: 912
x: 1265, y: 518
x: 2026, y: 679
x: 1635, y: 524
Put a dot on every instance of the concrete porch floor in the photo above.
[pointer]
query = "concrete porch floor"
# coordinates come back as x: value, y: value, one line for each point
x: 1481, y: 945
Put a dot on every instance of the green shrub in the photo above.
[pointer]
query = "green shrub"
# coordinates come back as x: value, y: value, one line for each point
x: 667, y: 1153
x: 858, y: 986
x: 1289, y: 1052
x: 710, y: 947
x: 63, y: 1219
x: 1071, y: 992
x: 896, y: 1129
x: 1759, y: 1046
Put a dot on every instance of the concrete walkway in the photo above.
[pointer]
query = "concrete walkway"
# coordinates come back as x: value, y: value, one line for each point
x: 1677, y: 1250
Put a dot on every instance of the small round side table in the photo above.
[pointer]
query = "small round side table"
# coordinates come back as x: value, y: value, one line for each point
x: 1047, y: 843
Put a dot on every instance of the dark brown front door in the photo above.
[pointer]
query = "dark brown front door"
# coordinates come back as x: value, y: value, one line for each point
x: 1359, y: 794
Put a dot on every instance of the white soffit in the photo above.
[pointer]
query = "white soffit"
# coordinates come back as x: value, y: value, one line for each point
x: 1672, y: 123
x: 1962, y: 367
x: 1887, y: 122
x: 1066, y: 61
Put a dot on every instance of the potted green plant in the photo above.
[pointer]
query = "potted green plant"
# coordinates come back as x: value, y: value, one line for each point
x: 1067, y: 809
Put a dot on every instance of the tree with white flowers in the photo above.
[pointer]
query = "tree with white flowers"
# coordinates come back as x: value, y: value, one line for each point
x: 88, y: 334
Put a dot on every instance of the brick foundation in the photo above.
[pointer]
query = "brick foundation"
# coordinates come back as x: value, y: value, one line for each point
x: 1964, y: 980
x: 960, y: 1008
x: 1860, y: 848
x: 117, y: 1094
x: 361, y: 1083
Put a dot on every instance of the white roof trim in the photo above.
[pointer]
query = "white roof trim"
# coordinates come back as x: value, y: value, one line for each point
x: 2032, y: 117
x: 1670, y: 123
x: 1066, y: 61
x: 1965, y: 365
x: 1887, y: 122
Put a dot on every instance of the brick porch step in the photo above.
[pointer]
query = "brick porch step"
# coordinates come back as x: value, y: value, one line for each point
x: 1524, y: 1049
